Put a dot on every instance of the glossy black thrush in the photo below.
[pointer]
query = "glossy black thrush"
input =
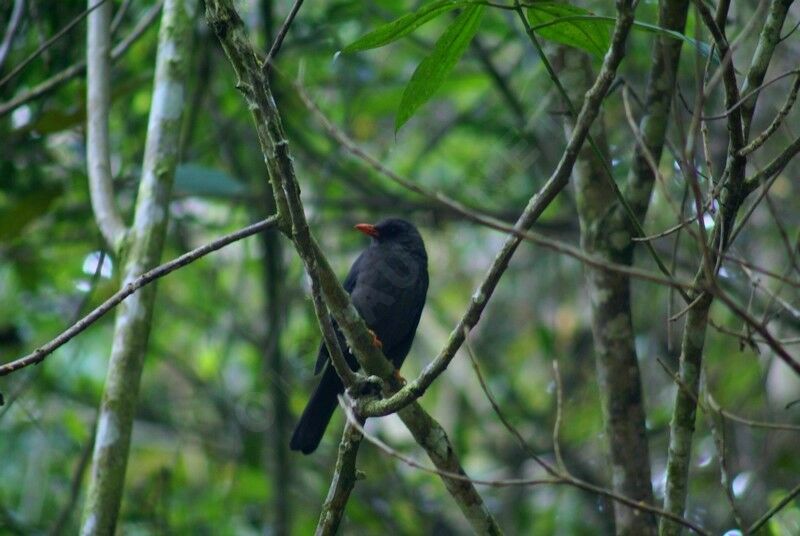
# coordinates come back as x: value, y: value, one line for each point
x: 387, y: 285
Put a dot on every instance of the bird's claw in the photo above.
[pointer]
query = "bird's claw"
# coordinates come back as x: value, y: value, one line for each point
x: 376, y: 342
x: 399, y: 379
x: 365, y: 386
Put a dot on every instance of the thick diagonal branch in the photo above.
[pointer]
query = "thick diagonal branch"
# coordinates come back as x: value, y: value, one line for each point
x: 229, y: 28
x: 536, y: 206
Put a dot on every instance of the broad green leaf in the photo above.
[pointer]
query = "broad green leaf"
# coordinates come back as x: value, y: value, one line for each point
x: 392, y: 31
x: 571, y: 26
x: 194, y: 179
x: 574, y: 26
x: 433, y: 70
x: 26, y: 210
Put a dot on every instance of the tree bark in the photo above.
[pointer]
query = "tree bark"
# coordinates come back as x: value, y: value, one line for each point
x: 140, y: 252
x: 606, y: 230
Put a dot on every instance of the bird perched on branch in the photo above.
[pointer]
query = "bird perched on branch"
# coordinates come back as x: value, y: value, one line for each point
x: 387, y: 284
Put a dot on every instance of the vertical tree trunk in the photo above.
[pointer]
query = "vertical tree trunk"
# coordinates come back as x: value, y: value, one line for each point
x: 606, y: 231
x: 276, y: 442
x: 731, y: 198
x: 141, y: 252
x: 612, y: 325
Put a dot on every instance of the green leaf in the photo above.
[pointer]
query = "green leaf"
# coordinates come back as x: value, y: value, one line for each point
x: 25, y: 211
x: 432, y: 71
x: 194, y: 179
x: 576, y: 27
x: 392, y: 31
x: 704, y: 48
x: 571, y: 26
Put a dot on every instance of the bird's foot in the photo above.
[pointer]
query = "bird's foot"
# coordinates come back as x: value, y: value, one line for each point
x: 399, y: 379
x: 365, y: 386
x: 376, y: 342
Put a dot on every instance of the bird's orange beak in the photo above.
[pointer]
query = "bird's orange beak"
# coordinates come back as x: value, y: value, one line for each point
x: 367, y: 229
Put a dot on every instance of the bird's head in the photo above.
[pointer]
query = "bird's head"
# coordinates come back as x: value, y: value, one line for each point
x: 394, y: 231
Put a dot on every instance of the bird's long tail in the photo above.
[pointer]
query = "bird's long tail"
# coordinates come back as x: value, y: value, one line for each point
x: 319, y: 410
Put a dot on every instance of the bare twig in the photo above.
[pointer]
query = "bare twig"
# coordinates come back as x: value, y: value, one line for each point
x: 11, y: 29
x: 329, y: 336
x: 276, y: 45
x: 553, y: 471
x: 344, y: 478
x: 759, y: 140
x: 47, y: 44
x: 774, y: 510
x: 748, y: 95
x: 718, y: 436
x: 562, y: 475
x: 226, y: 23
x: 79, y: 68
x: 559, y: 413
x: 75, y: 485
x: 119, y: 15
x: 713, y: 406
x: 43, y: 351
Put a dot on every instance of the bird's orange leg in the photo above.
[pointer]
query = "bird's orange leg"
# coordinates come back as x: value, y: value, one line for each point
x: 400, y: 379
x: 375, y: 340
x: 378, y: 344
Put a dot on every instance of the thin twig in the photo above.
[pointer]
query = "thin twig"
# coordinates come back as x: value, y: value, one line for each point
x: 329, y: 337
x: 344, y: 478
x: 11, y: 29
x: 38, y: 355
x: 75, y: 485
x: 718, y: 437
x: 712, y: 405
x: 774, y: 510
x: 749, y: 94
x: 474, y: 214
x: 411, y: 462
x: 44, y: 46
x: 759, y: 140
x: 563, y: 476
x: 79, y: 68
x: 559, y: 414
x: 276, y: 45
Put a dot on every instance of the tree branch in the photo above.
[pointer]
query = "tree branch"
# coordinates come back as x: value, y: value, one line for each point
x: 11, y: 29
x: 38, y: 355
x: 735, y: 188
x: 229, y: 28
x: 98, y: 105
x: 79, y: 68
x: 143, y: 251
x: 47, y: 44
x: 536, y: 205
x: 344, y: 479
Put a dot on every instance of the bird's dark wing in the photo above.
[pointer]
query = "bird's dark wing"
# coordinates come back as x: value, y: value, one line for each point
x: 390, y: 295
x: 349, y: 283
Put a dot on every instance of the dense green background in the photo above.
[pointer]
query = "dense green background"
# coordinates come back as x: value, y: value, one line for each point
x: 202, y: 460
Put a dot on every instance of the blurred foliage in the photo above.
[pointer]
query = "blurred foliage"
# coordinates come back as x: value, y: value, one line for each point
x: 201, y: 460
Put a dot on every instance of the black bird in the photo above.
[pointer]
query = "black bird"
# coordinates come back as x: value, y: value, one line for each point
x: 387, y: 284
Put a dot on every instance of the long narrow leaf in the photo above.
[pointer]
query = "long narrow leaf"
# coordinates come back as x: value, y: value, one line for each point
x: 392, y: 31
x: 570, y: 25
x: 576, y: 27
x: 432, y: 71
